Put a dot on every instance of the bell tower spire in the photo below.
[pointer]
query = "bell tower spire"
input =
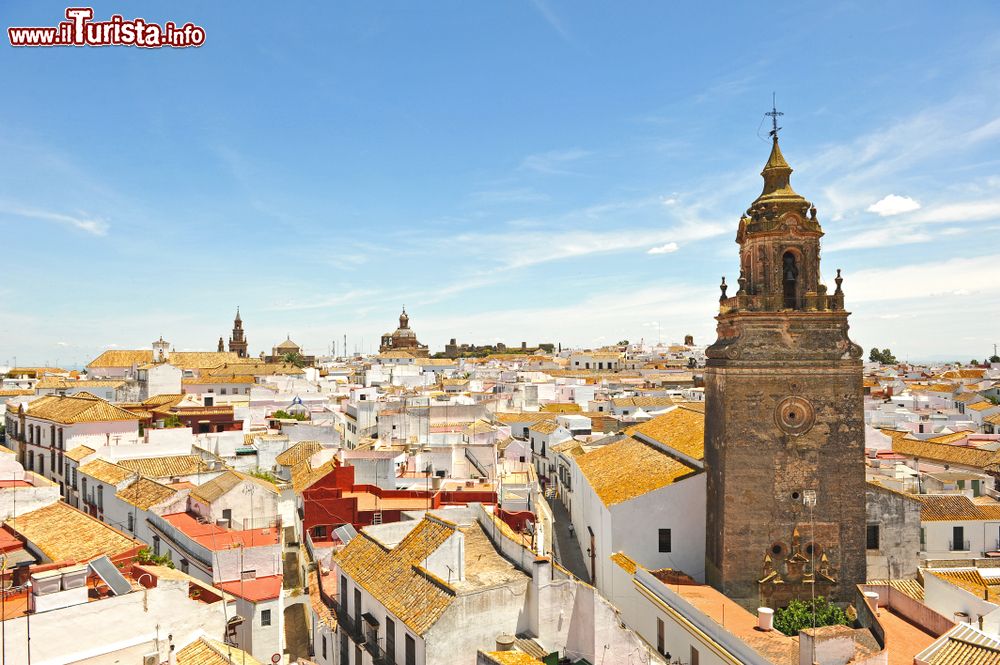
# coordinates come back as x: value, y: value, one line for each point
x: 238, y: 341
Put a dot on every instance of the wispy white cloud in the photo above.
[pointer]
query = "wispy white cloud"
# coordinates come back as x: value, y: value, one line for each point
x: 892, y: 204
x: 82, y: 222
x: 888, y: 236
x: 554, y: 162
x: 961, y: 211
x: 926, y: 280
x: 523, y: 249
x: 542, y: 7
x: 668, y: 248
x: 347, y: 297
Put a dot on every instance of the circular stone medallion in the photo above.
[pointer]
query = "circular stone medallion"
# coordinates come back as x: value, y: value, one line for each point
x: 794, y: 415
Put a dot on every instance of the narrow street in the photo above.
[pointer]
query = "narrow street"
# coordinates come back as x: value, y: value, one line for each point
x: 566, y: 546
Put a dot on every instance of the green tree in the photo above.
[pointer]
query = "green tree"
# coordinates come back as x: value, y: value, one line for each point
x: 172, y: 421
x: 294, y: 358
x: 994, y: 359
x: 799, y: 614
x: 623, y: 342
x: 883, y: 356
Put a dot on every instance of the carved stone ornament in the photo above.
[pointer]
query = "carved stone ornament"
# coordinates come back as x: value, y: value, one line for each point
x: 794, y: 415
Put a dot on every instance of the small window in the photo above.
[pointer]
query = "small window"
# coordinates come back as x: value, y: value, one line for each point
x: 131, y: 522
x: 660, y: 637
x: 184, y: 565
x: 664, y: 540
x: 323, y: 638
x: 265, y: 617
x: 872, y: 537
x: 156, y: 545
x: 694, y: 657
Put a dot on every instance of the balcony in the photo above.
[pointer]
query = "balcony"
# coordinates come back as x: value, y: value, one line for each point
x: 364, y: 634
x: 958, y: 546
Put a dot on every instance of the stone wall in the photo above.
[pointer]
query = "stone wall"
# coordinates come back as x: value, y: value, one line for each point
x: 784, y: 415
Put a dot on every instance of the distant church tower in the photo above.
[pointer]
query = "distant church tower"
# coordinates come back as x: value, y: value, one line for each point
x: 238, y: 343
x: 784, y: 426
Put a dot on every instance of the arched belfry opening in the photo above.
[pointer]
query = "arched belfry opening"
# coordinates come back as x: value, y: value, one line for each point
x: 790, y: 279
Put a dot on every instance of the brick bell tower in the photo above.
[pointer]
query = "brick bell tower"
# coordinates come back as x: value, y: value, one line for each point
x: 238, y: 341
x: 784, y: 425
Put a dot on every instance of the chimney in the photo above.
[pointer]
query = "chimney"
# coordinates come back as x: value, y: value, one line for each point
x: 172, y: 657
x: 765, y: 619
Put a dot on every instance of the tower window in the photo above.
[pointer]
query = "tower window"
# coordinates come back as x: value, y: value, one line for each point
x: 872, y: 537
x: 790, y: 280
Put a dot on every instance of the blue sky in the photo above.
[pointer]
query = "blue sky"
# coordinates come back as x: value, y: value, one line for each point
x: 504, y: 169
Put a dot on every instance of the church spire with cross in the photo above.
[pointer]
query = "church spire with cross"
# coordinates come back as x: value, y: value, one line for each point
x: 783, y: 412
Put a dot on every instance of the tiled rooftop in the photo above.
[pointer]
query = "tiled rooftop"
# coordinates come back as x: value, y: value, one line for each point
x: 106, y: 472
x: 167, y: 466
x: 63, y: 533
x: 629, y: 468
x: 681, y: 429
x: 79, y: 408
x: 394, y: 577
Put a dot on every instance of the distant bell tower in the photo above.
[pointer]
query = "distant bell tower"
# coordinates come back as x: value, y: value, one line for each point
x: 161, y: 350
x: 784, y: 426
x: 238, y: 343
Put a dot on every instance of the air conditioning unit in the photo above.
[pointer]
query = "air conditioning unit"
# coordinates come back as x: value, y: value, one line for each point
x: 151, y: 659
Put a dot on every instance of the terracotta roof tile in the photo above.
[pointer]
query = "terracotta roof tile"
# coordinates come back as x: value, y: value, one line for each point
x: 218, y: 486
x: 681, y: 429
x: 79, y: 408
x: 144, y: 493
x: 122, y: 358
x: 299, y: 452
x: 201, y: 359
x: 79, y: 452
x: 629, y: 468
x: 167, y: 466
x: 955, y: 507
x: 106, y: 472
x: 64, y: 533
x: 205, y: 651
x: 394, y: 577
x: 941, y: 452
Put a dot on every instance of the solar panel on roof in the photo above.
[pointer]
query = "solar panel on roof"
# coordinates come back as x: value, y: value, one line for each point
x: 111, y: 576
x: 346, y: 533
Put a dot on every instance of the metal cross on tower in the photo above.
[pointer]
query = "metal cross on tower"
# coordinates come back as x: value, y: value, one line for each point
x: 773, y: 114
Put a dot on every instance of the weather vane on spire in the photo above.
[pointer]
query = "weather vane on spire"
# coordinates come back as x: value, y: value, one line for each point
x: 773, y: 114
